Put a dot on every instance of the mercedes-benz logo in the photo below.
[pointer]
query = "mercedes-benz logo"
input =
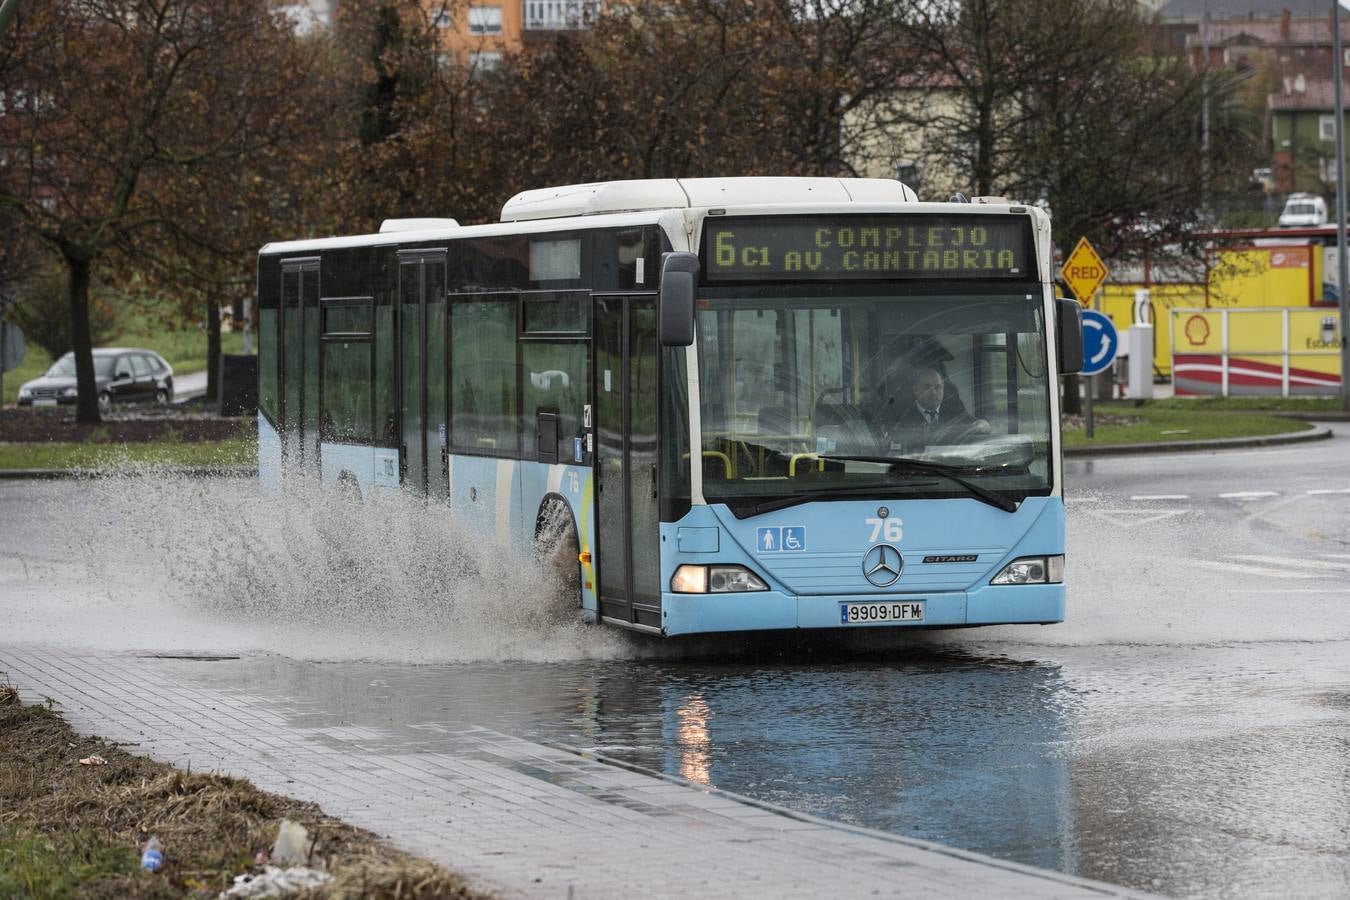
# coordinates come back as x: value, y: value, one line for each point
x: 881, y: 565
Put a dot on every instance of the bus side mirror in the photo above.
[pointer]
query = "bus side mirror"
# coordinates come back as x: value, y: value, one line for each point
x: 1069, y: 336
x: 679, y: 274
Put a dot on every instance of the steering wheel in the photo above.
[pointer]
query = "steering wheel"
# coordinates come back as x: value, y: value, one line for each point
x: 970, y: 433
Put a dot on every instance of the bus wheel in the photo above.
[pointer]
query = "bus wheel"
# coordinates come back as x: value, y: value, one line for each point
x: 557, y: 547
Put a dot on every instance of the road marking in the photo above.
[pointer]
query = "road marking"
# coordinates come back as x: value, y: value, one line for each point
x: 1130, y: 518
x: 1240, y: 569
x: 1161, y: 497
x: 1082, y: 499
x: 1295, y: 563
x: 1332, y: 491
x: 1247, y: 495
x: 1289, y: 591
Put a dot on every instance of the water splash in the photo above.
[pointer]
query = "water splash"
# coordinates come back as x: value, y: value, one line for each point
x: 159, y: 561
x: 153, y: 560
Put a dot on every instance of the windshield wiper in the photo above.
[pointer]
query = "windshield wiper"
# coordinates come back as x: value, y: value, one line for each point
x: 871, y: 490
x: 932, y: 468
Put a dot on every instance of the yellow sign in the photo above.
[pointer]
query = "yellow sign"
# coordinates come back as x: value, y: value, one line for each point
x: 1084, y: 271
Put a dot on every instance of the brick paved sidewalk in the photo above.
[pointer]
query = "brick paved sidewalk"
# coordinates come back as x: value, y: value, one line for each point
x: 520, y: 818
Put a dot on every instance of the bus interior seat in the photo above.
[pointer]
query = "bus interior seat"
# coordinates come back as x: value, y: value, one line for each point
x: 893, y: 391
x: 714, y: 460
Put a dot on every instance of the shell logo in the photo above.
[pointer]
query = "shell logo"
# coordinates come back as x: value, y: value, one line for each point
x: 1197, y: 330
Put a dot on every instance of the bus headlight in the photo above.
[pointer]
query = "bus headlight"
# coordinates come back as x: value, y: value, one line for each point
x: 1032, y: 570
x: 715, y: 580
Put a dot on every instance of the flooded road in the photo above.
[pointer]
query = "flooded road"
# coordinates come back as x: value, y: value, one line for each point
x: 1186, y: 731
x: 1192, y: 772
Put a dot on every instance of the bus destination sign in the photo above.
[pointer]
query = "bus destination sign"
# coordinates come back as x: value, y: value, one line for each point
x: 782, y: 248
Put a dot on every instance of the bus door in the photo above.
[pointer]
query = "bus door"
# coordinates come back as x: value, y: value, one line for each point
x: 298, y: 361
x: 627, y: 357
x: 421, y: 349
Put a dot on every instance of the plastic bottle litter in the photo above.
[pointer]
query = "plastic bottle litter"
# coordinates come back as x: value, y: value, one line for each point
x: 152, y: 856
x: 292, y: 845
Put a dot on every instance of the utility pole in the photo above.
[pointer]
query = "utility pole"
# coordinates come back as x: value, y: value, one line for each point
x: 1204, y: 112
x: 1342, y: 258
x: 1204, y: 70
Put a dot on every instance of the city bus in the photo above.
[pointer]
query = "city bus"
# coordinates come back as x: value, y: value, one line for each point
x: 698, y: 399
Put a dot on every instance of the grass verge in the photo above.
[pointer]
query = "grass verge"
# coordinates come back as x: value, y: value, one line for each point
x: 70, y: 830
x: 239, y: 451
x: 1125, y: 423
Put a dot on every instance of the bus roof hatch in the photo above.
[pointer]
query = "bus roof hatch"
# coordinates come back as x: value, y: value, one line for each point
x: 389, y: 225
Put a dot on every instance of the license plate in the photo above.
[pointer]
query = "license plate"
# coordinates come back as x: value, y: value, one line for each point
x: 876, y: 613
x: 44, y: 401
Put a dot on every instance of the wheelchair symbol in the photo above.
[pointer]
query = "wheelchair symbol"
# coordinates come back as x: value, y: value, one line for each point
x: 794, y: 537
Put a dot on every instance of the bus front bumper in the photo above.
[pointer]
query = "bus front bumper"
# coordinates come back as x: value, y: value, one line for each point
x: 768, y: 610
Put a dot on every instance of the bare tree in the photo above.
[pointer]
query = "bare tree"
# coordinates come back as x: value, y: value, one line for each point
x: 694, y: 87
x: 120, y: 102
x: 1069, y: 103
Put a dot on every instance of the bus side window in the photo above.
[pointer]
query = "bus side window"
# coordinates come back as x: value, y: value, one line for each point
x: 483, y: 415
x: 554, y: 380
x: 346, y: 394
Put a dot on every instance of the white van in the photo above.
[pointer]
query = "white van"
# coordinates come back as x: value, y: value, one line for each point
x: 1301, y: 210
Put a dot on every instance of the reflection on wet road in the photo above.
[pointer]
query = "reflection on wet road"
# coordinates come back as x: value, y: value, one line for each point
x: 1178, y: 770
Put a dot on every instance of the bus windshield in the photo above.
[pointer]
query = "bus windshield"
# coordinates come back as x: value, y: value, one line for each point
x: 807, y: 395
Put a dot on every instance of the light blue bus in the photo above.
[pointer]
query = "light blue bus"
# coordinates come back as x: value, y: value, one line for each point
x: 713, y: 405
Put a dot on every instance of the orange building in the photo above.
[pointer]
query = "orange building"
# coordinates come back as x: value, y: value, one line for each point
x: 479, y: 33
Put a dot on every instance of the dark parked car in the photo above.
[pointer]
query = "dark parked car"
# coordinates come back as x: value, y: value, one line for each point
x: 121, y: 375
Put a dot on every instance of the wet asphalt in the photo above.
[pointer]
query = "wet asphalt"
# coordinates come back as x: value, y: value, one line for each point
x: 1185, y: 731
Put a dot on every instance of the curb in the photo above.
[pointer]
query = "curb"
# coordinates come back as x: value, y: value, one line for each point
x: 1328, y: 416
x: 188, y: 471
x: 1316, y: 433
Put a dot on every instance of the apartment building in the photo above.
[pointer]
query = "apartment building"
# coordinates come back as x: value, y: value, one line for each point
x: 479, y: 33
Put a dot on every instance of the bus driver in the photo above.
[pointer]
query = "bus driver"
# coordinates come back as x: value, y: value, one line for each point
x: 926, y: 422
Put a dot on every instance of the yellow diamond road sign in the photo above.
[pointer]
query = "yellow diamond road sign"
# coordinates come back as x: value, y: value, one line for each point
x: 1084, y: 271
